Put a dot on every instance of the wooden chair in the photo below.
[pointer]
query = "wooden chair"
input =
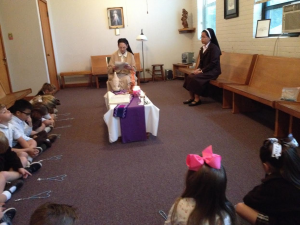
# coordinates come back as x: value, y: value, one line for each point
x: 139, y: 69
x: 8, y: 99
x: 99, y: 67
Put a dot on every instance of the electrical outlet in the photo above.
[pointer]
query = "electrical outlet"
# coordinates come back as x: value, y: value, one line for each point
x: 147, y: 70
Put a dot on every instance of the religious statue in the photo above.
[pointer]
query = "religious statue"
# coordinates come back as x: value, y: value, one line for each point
x: 184, y: 18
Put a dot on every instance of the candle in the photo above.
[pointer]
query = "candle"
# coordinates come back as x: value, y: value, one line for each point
x: 136, y: 90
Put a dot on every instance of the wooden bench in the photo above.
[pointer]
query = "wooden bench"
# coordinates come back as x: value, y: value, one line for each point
x: 269, y: 75
x: 236, y: 69
x: 8, y: 99
x: 287, y: 119
x: 74, y: 73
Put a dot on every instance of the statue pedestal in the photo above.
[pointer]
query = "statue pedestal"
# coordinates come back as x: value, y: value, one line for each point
x: 186, y: 30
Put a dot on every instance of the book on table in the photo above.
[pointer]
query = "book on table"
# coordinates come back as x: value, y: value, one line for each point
x: 118, y: 99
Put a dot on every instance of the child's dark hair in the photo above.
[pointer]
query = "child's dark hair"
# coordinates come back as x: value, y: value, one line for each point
x: 208, y: 187
x: 51, y: 213
x: 288, y: 164
x: 40, y: 108
x: 20, y: 105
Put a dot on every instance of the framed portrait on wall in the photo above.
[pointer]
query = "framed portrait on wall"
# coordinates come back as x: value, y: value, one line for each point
x: 115, y: 17
x: 231, y: 9
x: 262, y: 28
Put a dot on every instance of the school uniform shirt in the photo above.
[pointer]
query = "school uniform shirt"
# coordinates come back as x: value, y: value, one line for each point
x: 184, y: 208
x: 22, y: 128
x: 8, y: 160
x: 277, y: 198
x: 10, y: 132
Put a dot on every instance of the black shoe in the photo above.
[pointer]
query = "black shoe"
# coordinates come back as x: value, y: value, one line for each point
x: 8, y: 215
x: 188, y: 101
x: 40, y: 149
x: 34, y: 167
x: 17, y: 183
x: 194, y: 103
x: 46, y: 144
x: 52, y: 137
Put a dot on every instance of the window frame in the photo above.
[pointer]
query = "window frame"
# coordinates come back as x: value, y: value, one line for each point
x: 266, y: 8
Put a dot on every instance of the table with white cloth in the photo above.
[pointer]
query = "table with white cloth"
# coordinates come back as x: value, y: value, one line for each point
x: 113, y: 123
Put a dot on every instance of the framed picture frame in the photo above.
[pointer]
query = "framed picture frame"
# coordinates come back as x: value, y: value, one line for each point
x: 263, y: 28
x: 115, y: 17
x: 231, y: 9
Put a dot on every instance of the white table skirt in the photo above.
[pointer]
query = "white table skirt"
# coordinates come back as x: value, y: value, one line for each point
x: 113, y: 123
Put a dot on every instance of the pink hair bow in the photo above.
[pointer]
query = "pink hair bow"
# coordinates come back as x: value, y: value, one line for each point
x: 194, y: 162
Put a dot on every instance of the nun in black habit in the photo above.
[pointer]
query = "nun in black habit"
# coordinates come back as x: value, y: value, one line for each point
x: 209, y: 68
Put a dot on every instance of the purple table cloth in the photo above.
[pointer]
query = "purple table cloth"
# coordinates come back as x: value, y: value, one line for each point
x: 133, y: 126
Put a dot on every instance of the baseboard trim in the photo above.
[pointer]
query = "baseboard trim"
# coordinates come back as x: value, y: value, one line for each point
x: 77, y: 85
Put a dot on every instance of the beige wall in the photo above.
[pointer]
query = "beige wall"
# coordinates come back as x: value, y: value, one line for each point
x: 237, y: 34
x: 25, y: 53
x: 80, y: 30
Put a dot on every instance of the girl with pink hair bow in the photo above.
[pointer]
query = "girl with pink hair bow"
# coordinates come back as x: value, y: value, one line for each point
x: 203, y: 201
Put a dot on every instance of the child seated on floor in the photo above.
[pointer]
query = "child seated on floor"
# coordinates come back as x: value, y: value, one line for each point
x: 50, y: 102
x: 51, y: 213
x: 38, y: 127
x: 12, y: 168
x: 203, y: 201
x: 12, y: 134
x: 277, y: 199
x: 47, y: 89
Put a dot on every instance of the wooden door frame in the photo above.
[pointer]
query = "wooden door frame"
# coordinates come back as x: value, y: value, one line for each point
x: 58, y: 86
x: 6, y: 66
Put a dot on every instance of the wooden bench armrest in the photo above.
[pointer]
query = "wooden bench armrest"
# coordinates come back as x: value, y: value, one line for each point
x: 8, y: 100
x: 21, y: 94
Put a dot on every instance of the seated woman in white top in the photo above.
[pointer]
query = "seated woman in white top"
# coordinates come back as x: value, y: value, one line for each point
x: 124, y: 54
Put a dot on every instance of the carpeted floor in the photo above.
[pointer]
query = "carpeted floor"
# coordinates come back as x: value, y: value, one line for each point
x: 129, y: 183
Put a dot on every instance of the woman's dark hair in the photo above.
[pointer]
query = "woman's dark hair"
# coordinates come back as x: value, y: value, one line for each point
x: 288, y: 164
x: 212, y: 36
x: 125, y: 41
x: 208, y: 187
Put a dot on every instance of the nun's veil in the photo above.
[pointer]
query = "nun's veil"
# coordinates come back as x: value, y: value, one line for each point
x: 124, y: 40
x: 213, y: 39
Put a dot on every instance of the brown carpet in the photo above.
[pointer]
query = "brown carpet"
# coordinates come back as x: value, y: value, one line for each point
x: 129, y: 183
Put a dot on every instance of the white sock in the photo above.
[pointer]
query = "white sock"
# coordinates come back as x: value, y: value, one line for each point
x: 7, y: 194
x: 12, y: 189
x: 29, y: 159
x: 4, y: 223
x: 47, y: 129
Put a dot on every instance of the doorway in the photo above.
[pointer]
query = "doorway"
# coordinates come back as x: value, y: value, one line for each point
x: 4, y: 75
x: 43, y: 8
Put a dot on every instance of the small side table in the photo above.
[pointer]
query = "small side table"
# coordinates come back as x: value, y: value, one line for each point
x: 176, y: 66
x: 159, y: 71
